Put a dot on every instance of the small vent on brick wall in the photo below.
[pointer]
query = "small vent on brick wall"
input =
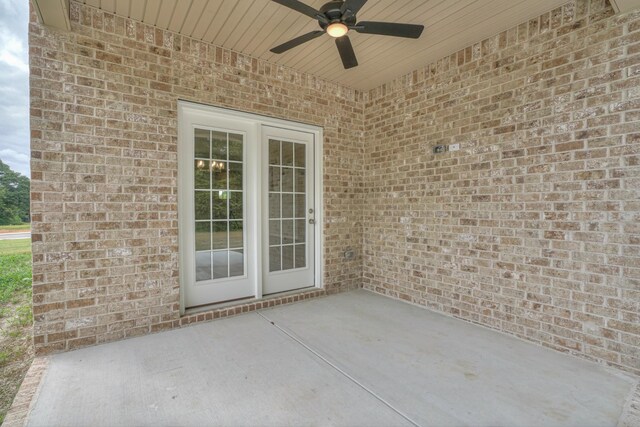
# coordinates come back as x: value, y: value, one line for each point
x: 349, y: 254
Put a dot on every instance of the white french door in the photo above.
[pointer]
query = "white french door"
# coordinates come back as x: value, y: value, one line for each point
x: 216, y: 209
x: 246, y: 206
x: 288, y: 225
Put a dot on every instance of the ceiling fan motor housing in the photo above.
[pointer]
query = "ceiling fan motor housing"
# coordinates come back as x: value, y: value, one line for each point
x: 332, y: 11
x: 336, y: 18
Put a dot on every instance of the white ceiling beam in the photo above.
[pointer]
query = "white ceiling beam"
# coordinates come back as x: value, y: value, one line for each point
x: 624, y: 6
x: 53, y: 13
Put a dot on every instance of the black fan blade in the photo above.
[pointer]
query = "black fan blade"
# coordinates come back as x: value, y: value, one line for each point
x: 302, y: 8
x: 389, y: 29
x: 347, y: 54
x: 297, y: 41
x: 351, y: 7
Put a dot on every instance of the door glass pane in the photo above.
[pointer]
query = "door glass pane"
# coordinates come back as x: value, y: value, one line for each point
x: 220, y: 235
x: 287, y: 257
x: 235, y: 147
x: 274, y: 258
x: 300, y: 181
x: 274, y: 232
x: 274, y: 152
x: 300, y: 256
x: 218, y: 169
x: 201, y: 143
x: 203, y: 236
x: 287, y: 179
x: 300, y: 205
x: 236, y: 263
x: 287, y: 153
x: 235, y: 176
x: 202, y: 174
x: 219, y: 204
x: 235, y: 205
x: 287, y: 205
x: 301, y: 225
x: 235, y: 235
x: 219, y: 172
x: 203, y: 266
x: 220, y: 264
x: 287, y: 231
x: 300, y: 155
x: 203, y: 204
x: 274, y: 205
x: 274, y: 178
x: 219, y: 145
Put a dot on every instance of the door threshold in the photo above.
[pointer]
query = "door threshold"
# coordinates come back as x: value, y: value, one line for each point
x: 243, y: 301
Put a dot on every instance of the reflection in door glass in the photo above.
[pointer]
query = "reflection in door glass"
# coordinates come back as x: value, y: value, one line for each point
x: 203, y: 266
x: 218, y: 204
x: 236, y: 262
x: 220, y: 264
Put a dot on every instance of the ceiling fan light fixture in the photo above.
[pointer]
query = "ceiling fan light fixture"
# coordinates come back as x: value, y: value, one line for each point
x: 336, y: 18
x: 337, y: 29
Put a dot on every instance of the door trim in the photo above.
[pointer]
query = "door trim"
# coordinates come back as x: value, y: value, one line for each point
x: 275, y: 282
x: 184, y: 107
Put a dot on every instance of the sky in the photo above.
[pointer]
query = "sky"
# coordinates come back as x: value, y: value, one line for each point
x: 14, y: 85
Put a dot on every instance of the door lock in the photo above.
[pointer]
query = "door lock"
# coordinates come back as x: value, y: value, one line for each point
x: 312, y: 221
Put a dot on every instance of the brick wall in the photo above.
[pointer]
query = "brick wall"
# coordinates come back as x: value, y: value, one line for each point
x: 533, y: 227
x: 104, y: 167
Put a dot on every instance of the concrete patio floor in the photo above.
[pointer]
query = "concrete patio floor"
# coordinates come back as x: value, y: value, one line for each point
x: 355, y: 359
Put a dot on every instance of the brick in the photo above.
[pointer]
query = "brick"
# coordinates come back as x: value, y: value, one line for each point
x: 579, y: 214
x: 543, y: 188
x: 104, y: 149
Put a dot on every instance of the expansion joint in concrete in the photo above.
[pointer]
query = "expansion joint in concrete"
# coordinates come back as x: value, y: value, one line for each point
x: 338, y: 369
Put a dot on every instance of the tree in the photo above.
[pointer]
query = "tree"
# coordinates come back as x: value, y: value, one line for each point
x: 14, y: 196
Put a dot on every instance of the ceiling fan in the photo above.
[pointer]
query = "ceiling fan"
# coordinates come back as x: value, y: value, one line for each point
x: 336, y: 18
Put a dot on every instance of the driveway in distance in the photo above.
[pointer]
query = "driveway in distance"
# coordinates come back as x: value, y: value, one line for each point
x: 13, y: 236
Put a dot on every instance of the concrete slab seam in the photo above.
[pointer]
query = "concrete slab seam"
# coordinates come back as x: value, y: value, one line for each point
x: 346, y: 374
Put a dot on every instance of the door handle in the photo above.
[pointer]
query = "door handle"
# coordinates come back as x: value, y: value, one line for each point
x: 312, y: 221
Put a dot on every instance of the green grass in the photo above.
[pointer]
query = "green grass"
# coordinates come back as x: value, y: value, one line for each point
x: 15, y: 228
x: 16, y: 275
x: 15, y: 246
x: 16, y: 319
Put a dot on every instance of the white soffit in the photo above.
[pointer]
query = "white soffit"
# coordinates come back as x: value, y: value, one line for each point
x: 53, y: 13
x: 254, y: 26
x: 624, y: 6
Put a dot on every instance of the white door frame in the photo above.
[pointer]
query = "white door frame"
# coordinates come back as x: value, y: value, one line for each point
x: 234, y: 287
x: 185, y: 160
x: 287, y: 280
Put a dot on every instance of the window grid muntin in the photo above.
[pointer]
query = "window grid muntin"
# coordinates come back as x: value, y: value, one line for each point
x: 215, y: 161
x: 297, y: 246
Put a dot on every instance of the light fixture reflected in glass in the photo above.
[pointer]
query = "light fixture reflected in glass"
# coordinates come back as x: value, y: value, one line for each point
x: 200, y: 164
x: 217, y: 165
x: 337, y: 29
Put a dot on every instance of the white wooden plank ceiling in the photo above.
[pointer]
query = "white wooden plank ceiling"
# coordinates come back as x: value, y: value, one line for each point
x: 255, y: 26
